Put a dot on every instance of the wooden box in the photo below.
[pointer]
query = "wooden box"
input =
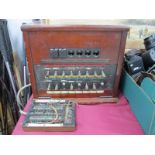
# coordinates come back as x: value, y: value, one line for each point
x: 76, y: 47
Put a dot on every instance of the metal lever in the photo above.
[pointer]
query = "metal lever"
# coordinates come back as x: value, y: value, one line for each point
x: 71, y: 73
x: 71, y: 86
x: 86, y: 87
x: 55, y: 73
x: 87, y: 73
x: 95, y: 73
x: 102, y: 72
x: 63, y: 73
x: 79, y: 73
x: 56, y: 87
x: 47, y: 74
x: 94, y: 86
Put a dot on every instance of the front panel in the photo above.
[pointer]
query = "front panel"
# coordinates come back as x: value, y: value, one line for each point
x: 75, y: 80
x: 75, y: 46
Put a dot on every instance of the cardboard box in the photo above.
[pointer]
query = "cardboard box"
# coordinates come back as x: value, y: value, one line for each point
x: 142, y: 100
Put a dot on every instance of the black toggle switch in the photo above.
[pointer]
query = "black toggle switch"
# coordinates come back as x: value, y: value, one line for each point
x: 71, y: 53
x: 96, y: 53
x: 88, y: 52
x: 79, y: 53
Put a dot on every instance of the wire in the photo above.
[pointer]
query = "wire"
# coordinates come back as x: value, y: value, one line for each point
x: 5, y: 87
x: 10, y: 99
x: 56, y: 112
x: 18, y: 99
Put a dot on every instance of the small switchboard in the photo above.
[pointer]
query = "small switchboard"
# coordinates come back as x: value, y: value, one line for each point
x: 50, y: 115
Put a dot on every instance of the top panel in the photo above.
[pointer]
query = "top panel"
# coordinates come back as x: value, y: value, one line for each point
x: 45, y: 27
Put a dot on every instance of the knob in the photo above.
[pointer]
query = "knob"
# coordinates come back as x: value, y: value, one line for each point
x: 102, y: 83
x: 79, y: 84
x: 63, y: 83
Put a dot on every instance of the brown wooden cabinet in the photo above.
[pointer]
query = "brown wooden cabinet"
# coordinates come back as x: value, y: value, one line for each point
x: 77, y: 62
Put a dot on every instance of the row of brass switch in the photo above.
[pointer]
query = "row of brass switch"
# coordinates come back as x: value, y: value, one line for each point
x: 72, y: 74
x: 76, y: 86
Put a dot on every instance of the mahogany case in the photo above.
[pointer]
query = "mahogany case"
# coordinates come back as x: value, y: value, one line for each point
x: 74, y: 48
